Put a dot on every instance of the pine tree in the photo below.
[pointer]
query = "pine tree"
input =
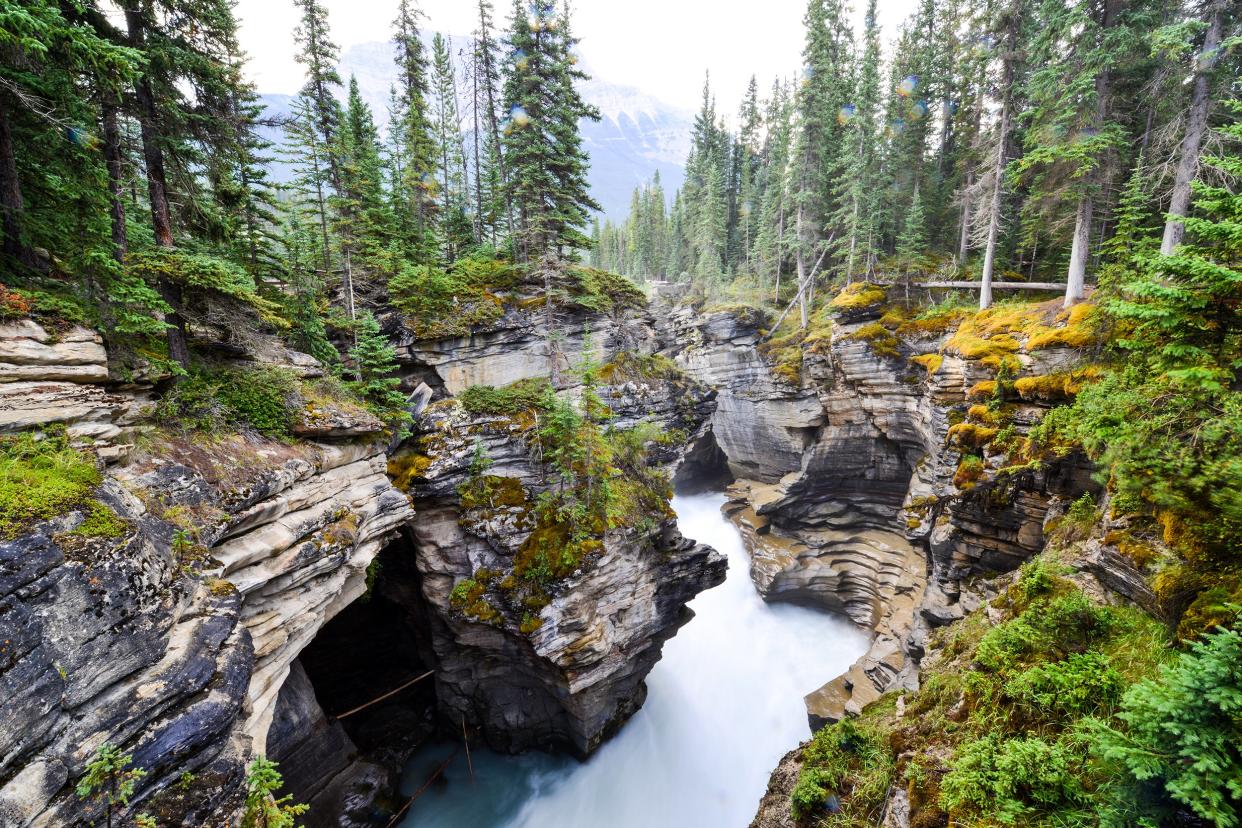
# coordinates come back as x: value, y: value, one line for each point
x: 455, y: 227
x: 319, y: 55
x: 545, y: 161
x: 817, y: 145
x: 1079, y: 111
x: 414, y: 194
x: 365, y: 224
x: 1206, y: 61
x: 491, y: 205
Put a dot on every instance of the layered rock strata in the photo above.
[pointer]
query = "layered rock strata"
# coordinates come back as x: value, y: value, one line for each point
x: 846, y: 497
x: 563, y: 677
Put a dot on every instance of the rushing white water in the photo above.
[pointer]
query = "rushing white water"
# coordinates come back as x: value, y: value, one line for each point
x: 724, y: 704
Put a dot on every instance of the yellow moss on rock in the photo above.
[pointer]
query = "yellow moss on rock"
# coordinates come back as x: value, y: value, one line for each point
x: 931, y: 362
x: 1054, y: 387
x: 880, y: 338
x: 859, y: 295
x: 982, y: 390
x: 969, y: 436
x: 405, y: 469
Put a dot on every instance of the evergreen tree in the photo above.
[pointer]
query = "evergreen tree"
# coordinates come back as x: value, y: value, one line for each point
x: 365, y: 225
x: 455, y: 229
x: 491, y: 207
x: 414, y: 193
x: 545, y: 161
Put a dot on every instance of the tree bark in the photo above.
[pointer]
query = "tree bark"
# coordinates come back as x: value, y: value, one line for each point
x: 998, y: 170
x: 1076, y: 280
x: 1196, y: 128
x: 157, y: 188
x: 11, y: 203
x: 116, y: 178
x: 805, y: 305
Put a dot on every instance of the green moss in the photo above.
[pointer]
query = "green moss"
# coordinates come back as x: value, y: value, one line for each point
x: 41, y: 477
x: 603, y: 291
x: 492, y: 492
x: 101, y: 522
x: 631, y: 367
x: 217, y: 400
x: 522, y: 397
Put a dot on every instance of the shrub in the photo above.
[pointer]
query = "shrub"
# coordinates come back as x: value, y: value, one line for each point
x: 221, y: 399
x: 1082, y: 684
x: 1185, y: 729
x: 41, y: 476
x: 510, y: 401
x: 263, y: 808
x: 109, y: 778
x: 1011, y: 778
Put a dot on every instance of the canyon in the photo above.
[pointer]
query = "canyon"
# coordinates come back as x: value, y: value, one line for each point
x: 262, y: 588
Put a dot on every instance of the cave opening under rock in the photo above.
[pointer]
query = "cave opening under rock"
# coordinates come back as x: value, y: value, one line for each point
x: 346, y: 764
x: 704, y: 467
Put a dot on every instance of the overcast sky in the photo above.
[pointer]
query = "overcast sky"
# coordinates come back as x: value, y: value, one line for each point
x: 662, y: 47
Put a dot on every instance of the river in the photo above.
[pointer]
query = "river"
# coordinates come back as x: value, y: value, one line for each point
x: 724, y: 704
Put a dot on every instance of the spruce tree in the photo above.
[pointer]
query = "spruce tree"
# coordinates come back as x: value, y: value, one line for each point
x: 545, y: 161
x: 414, y: 194
x: 455, y: 230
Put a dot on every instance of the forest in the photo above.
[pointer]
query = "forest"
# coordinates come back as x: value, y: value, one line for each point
x: 920, y: 198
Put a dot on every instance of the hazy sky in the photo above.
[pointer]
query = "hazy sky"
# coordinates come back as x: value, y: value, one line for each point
x: 662, y: 47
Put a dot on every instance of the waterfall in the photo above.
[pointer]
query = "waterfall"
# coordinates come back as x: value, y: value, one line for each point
x: 724, y: 704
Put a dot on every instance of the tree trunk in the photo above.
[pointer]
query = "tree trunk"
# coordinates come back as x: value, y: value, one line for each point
x: 998, y: 170
x: 1196, y: 127
x: 963, y: 241
x: 157, y: 190
x: 805, y: 304
x: 549, y: 320
x: 11, y: 204
x: 116, y: 179
x: 1076, y: 279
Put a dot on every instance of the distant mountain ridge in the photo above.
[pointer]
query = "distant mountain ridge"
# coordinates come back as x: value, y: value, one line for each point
x: 636, y: 136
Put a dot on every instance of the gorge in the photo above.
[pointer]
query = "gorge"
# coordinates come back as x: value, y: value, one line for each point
x: 326, y: 581
x: 365, y: 469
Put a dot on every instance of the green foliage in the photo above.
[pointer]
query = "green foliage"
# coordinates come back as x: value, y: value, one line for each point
x: 109, y: 778
x: 1082, y: 684
x: 1010, y: 778
x: 263, y: 808
x: 41, y: 477
x: 375, y: 363
x: 219, y: 400
x: 850, y: 760
x: 523, y: 396
x: 1185, y: 729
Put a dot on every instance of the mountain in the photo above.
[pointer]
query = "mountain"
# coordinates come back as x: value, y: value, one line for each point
x: 636, y: 135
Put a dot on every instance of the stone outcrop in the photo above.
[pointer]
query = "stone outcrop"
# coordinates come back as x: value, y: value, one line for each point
x: 173, y: 639
x: 59, y: 377
x: 846, y: 498
x: 570, y: 674
x: 110, y: 640
x: 514, y: 347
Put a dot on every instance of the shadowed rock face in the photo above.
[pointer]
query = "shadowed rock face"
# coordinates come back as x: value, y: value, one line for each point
x: 172, y: 640
x: 570, y: 683
x: 107, y: 640
x: 845, y: 497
